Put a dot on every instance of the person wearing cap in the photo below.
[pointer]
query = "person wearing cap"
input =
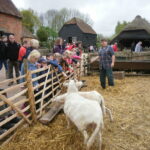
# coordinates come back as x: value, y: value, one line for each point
x: 42, y: 63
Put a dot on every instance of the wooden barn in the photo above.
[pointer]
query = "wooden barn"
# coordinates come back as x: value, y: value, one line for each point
x: 137, y: 30
x: 10, y: 19
x: 77, y: 30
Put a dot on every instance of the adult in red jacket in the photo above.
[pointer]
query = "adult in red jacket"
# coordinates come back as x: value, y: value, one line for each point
x: 115, y: 47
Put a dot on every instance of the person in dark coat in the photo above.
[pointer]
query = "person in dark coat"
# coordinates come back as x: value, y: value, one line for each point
x: 59, y: 47
x: 5, y: 115
x: 3, y: 58
x: 12, y: 56
x: 132, y: 46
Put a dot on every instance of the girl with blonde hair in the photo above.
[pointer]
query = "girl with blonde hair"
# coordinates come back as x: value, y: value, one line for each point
x: 31, y: 64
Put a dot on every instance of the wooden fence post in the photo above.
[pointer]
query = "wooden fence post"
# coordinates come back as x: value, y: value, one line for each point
x: 43, y: 93
x: 74, y: 72
x: 31, y: 96
x: 57, y: 77
x: 79, y: 75
x: 88, y: 65
x: 84, y: 65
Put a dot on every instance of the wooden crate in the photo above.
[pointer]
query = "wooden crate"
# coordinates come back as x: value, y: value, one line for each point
x: 119, y: 75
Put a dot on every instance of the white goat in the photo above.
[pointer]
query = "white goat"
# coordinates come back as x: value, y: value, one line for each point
x: 82, y: 112
x: 95, y: 96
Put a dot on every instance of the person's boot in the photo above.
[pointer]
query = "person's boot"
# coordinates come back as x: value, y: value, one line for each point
x: 103, y: 87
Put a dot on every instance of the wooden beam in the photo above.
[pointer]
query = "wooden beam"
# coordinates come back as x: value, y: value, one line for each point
x: 3, y: 98
x: 55, y: 109
x: 31, y: 96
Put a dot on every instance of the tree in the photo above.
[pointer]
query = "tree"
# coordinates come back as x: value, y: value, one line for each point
x: 46, y: 36
x: 84, y: 17
x: 46, y: 33
x: 42, y: 34
x: 30, y: 19
x: 55, y: 19
x: 120, y: 26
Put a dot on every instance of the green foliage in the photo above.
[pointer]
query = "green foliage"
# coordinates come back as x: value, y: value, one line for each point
x: 46, y: 36
x: 57, y: 18
x: 120, y: 26
x: 30, y: 19
x: 45, y: 33
x: 42, y: 33
x: 99, y: 37
x: 49, y: 23
x: 52, y: 34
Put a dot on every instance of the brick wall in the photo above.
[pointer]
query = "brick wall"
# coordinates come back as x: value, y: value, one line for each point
x: 12, y: 25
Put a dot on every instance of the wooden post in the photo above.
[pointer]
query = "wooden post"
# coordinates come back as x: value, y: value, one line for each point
x: 77, y: 77
x: 57, y: 76
x: 25, y: 66
x: 74, y: 72
x: 88, y: 65
x: 80, y: 69
x: 53, y: 83
x: 31, y: 96
x: 78, y: 73
x: 43, y: 93
x: 84, y: 65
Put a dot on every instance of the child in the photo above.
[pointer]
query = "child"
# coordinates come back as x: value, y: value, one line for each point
x: 54, y: 60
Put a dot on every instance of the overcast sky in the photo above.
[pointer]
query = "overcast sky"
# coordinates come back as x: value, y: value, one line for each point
x: 104, y: 13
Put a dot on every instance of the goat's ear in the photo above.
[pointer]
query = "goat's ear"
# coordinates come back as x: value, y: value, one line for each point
x: 79, y: 84
x: 65, y: 84
x: 75, y: 79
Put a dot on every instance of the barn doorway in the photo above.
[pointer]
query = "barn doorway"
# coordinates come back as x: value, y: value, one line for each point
x: 69, y: 39
x: 72, y: 39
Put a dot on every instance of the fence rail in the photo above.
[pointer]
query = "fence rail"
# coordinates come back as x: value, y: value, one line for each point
x: 24, y: 102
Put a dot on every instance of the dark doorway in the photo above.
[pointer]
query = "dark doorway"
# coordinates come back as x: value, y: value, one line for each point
x: 70, y: 39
